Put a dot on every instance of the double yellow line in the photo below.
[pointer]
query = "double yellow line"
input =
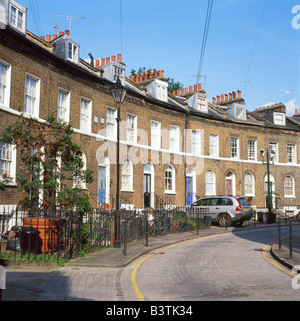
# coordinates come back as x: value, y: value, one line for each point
x: 134, y: 271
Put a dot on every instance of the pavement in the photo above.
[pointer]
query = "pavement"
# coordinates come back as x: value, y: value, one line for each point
x: 96, y: 276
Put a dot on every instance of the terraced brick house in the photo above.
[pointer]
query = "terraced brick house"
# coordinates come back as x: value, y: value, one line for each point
x: 175, y: 147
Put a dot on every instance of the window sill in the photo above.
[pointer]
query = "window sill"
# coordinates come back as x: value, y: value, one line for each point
x: 170, y: 192
x: 127, y: 190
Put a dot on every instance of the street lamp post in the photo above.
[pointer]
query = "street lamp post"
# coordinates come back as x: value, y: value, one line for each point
x: 270, y: 154
x: 118, y: 92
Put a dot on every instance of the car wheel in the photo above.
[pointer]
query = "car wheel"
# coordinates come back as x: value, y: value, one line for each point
x: 224, y: 220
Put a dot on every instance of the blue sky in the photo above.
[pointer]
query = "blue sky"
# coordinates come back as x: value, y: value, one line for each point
x: 167, y: 35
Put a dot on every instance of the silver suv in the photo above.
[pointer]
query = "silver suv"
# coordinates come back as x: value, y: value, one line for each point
x: 226, y: 209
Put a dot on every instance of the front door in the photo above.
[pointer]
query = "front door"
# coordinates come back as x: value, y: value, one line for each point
x: 189, y: 190
x: 147, y: 190
x: 102, y: 185
x: 229, y: 189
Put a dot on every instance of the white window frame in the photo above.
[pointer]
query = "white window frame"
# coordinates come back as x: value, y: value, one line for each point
x: 32, y: 97
x: 214, y: 145
x: 210, y: 183
x: 8, y: 161
x: 72, y: 52
x: 291, y: 154
x: 279, y: 119
x: 249, y: 182
x: 85, y: 115
x: 15, y: 23
x: 195, y: 142
x: 63, y: 105
x: 5, y: 84
x: 111, y: 128
x: 78, y: 182
x: 170, y: 179
x: 201, y: 103
x: 155, y: 134
x: 131, y: 128
x: 234, y: 148
x: 274, y: 147
x: 127, y: 176
x: 291, y: 192
x: 118, y: 72
x: 161, y: 92
x: 252, y: 149
x: 174, y: 139
x: 240, y: 112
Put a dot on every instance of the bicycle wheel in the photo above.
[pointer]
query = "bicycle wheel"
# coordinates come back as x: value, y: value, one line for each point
x: 153, y: 230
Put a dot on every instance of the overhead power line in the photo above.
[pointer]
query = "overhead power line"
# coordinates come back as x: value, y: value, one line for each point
x: 204, y: 40
x: 256, y: 38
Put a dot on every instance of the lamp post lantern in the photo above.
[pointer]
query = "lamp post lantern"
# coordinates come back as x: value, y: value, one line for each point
x: 118, y: 92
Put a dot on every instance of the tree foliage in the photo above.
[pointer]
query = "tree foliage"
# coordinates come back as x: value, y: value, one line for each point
x: 52, y: 163
x: 172, y: 85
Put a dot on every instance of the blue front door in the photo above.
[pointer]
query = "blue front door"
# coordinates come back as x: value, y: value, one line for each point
x: 101, y: 185
x: 189, y: 190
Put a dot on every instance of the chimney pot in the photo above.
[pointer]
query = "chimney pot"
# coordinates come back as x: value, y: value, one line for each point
x: 161, y: 73
x: 186, y: 90
x: 42, y: 37
x: 230, y: 96
x: 132, y: 78
x: 61, y: 33
x: 67, y: 32
x: 102, y: 62
x: 296, y: 111
x: 97, y: 63
x: 48, y: 38
x: 195, y: 87
x: 214, y: 100
x: 155, y: 73
x: 191, y: 89
x: 199, y: 86
x: 174, y: 93
x: 54, y: 37
x: 239, y: 93
x: 226, y: 97
x: 222, y: 97
x: 137, y: 79
x: 182, y: 91
x: 234, y: 94
x: 218, y: 99
x: 177, y: 92
x: 150, y: 74
x: 113, y: 58
x: 145, y: 75
x: 119, y: 58
x: 107, y: 60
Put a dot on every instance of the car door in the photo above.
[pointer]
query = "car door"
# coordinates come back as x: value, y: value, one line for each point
x: 212, y: 204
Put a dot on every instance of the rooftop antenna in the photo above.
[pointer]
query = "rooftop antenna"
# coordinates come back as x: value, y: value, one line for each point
x: 245, y: 84
x: 289, y: 92
x: 70, y: 18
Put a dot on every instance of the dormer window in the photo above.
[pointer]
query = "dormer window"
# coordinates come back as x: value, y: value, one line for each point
x: 119, y: 72
x: 202, y: 103
x: 237, y: 111
x: 72, y: 52
x: 279, y: 119
x: 17, y: 16
x: 240, y: 112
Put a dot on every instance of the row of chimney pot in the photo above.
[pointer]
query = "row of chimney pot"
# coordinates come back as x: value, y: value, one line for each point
x: 61, y: 33
x: 190, y: 89
x: 147, y: 75
x: 226, y: 97
x: 106, y: 61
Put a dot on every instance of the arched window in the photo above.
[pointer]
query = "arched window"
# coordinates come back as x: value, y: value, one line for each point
x: 249, y: 185
x: 289, y: 186
x: 127, y: 175
x: 170, y: 179
x: 210, y: 183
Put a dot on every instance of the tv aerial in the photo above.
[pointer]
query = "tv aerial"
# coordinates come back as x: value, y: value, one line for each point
x: 70, y: 18
x: 289, y: 92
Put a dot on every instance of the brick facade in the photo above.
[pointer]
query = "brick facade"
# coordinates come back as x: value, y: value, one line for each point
x: 27, y: 54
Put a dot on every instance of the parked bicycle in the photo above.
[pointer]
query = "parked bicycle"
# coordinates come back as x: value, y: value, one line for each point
x: 158, y: 226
